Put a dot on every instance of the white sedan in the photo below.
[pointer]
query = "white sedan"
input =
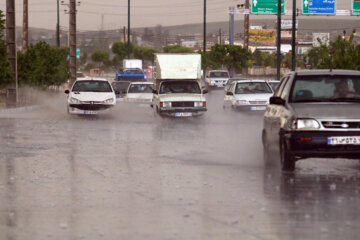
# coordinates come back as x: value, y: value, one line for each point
x: 248, y: 95
x: 140, y: 92
x: 90, y: 96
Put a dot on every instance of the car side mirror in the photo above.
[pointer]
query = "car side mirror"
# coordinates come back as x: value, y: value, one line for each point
x: 117, y: 92
x: 67, y: 91
x: 154, y: 91
x: 205, y: 91
x: 229, y: 94
x: 277, y: 101
x: 207, y: 76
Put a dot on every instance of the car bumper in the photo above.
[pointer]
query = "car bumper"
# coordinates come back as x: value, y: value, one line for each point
x: 251, y: 107
x: 315, y: 144
x: 88, y: 108
x: 175, y: 112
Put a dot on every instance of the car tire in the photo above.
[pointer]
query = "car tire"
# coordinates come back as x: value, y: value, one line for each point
x: 287, y: 160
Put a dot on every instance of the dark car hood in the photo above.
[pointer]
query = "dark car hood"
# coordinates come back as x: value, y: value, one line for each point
x: 327, y: 110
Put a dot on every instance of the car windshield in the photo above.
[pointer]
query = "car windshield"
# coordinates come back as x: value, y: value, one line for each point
x: 228, y: 83
x: 92, y: 86
x: 252, y: 88
x: 180, y: 87
x: 118, y: 86
x: 140, y: 88
x: 219, y: 74
x: 326, y: 89
x: 133, y: 70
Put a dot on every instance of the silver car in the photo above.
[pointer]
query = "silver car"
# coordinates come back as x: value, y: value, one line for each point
x: 314, y: 114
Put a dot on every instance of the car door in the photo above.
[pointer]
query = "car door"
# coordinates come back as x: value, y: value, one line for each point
x: 282, y: 112
x: 271, y: 114
x: 229, y: 95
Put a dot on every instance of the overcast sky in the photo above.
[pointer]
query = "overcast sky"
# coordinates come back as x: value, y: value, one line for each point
x: 144, y: 13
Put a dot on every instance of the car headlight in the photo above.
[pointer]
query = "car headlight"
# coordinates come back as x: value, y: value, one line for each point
x: 165, y: 104
x: 302, y: 124
x: 74, y: 100
x: 199, y: 104
x: 241, y: 102
x: 110, y: 100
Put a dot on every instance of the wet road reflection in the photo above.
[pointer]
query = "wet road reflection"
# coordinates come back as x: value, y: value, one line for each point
x: 130, y: 175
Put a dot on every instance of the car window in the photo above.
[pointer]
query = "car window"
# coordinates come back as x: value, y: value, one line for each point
x: 92, y: 86
x: 219, y: 75
x: 325, y: 88
x: 180, y: 87
x: 252, y: 88
x: 274, y: 85
x: 140, y: 88
x: 120, y: 85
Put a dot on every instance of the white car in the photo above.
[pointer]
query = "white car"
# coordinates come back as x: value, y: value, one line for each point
x: 217, y: 78
x: 141, y: 92
x: 248, y: 95
x: 90, y: 96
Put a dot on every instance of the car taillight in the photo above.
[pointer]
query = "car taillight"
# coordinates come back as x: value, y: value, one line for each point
x: 161, y: 104
x: 204, y: 104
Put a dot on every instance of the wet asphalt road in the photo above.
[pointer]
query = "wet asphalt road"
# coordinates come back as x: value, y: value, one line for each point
x: 131, y: 175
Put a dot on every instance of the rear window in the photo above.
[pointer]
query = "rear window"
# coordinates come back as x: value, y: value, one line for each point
x: 252, y: 88
x: 219, y: 75
x: 92, y: 86
x: 120, y: 85
x: 140, y: 88
x: 325, y: 88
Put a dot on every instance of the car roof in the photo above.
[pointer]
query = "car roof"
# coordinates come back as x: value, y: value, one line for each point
x: 273, y: 81
x: 91, y: 78
x: 250, y: 80
x: 327, y: 72
x: 218, y: 71
x: 149, y: 83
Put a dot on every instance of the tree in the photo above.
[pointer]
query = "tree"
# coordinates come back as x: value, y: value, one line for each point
x: 100, y: 57
x: 234, y: 58
x: 5, y: 68
x: 341, y: 54
x: 120, y: 49
x: 43, y: 65
x: 144, y: 53
x: 177, y: 49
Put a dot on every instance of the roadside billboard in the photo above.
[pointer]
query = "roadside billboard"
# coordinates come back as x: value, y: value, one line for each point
x: 323, y: 37
x: 326, y: 7
x: 262, y: 36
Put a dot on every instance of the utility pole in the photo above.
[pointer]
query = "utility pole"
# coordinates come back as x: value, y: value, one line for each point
x: 220, y: 40
x: 278, y: 41
x: 231, y: 26
x: 25, y: 26
x: 204, y: 47
x: 128, y: 40
x: 58, y: 25
x: 124, y: 33
x: 72, y: 41
x: 246, y: 26
x: 293, y: 42
x: 11, y: 41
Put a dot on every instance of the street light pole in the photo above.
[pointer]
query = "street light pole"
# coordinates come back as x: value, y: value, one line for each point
x: 293, y: 42
x: 278, y: 42
x: 128, y: 43
x: 204, y: 47
x: 58, y: 25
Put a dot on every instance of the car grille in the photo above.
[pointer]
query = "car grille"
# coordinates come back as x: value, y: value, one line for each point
x: 257, y: 102
x: 182, y: 104
x: 340, y: 125
x: 93, y: 107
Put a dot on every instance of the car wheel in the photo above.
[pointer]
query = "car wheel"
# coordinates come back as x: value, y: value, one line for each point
x: 286, y: 158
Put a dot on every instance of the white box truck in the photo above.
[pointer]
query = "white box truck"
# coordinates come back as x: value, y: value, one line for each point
x: 177, y: 90
x: 132, y: 63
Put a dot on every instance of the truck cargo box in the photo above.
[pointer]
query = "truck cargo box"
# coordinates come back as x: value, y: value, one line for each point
x: 177, y: 66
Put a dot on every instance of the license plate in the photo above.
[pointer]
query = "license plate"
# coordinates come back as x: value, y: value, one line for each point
x: 183, y: 114
x: 344, y: 140
x: 258, y: 108
x: 91, y: 112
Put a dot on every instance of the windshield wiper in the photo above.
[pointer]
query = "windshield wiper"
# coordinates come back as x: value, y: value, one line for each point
x: 310, y: 100
x: 345, y: 100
